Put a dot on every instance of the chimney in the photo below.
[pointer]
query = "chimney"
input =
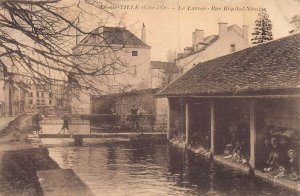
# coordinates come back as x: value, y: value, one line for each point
x: 143, y: 33
x: 198, y: 37
x: 222, y: 29
x: 246, y: 32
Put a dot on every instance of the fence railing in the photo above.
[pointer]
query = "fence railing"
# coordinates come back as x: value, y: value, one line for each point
x: 113, y: 122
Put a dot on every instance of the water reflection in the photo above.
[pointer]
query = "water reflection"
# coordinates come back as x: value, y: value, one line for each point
x: 124, y: 168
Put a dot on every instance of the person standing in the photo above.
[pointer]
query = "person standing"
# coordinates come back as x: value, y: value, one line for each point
x: 66, y: 121
x: 141, y: 112
x: 37, y: 118
x: 134, y: 118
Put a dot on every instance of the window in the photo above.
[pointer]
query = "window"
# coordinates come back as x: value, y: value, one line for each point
x: 42, y: 94
x: 37, y: 94
x: 38, y: 102
x: 232, y: 48
x: 30, y: 101
x: 134, y: 53
x: 50, y: 101
x: 43, y: 102
x: 31, y: 94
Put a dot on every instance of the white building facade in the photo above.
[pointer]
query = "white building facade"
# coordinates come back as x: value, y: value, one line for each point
x: 125, y: 56
x: 229, y: 39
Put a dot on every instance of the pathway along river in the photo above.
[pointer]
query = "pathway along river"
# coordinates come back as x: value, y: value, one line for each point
x: 124, y: 168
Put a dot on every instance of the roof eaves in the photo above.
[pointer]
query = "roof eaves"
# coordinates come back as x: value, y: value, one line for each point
x: 288, y: 45
x: 204, y: 48
x: 260, y: 92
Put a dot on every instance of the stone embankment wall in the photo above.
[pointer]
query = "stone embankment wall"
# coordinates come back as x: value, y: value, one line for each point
x: 19, y: 162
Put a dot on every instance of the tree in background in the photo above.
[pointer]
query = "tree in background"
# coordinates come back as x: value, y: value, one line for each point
x: 171, y: 56
x: 263, y: 29
x: 296, y: 22
x: 37, y: 37
x: 172, y: 70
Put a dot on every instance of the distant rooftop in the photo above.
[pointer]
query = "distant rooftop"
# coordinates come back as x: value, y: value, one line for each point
x: 208, y: 41
x: 273, y: 67
x: 114, y: 36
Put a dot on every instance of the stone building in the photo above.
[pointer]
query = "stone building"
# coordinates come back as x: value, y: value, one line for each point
x: 255, y: 89
x: 13, y: 93
x: 50, y: 96
x: 155, y: 109
x: 229, y: 39
x: 128, y: 55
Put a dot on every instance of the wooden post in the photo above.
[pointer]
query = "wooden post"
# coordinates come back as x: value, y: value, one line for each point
x: 212, y: 127
x: 187, y: 122
x: 169, y: 120
x: 252, y: 134
x: 78, y: 140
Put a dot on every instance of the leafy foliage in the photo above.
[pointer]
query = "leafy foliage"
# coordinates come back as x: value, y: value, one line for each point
x: 263, y: 29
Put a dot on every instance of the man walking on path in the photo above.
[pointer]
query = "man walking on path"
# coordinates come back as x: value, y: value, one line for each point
x: 65, y: 126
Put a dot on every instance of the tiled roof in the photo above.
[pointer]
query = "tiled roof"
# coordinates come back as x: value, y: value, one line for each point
x: 115, y: 36
x: 274, y: 66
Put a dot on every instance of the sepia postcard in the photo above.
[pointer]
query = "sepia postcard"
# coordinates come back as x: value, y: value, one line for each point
x: 149, y: 97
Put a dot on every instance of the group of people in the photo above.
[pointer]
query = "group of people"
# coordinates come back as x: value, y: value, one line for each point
x: 22, y: 134
x: 37, y: 118
x: 237, y: 142
x: 137, y: 115
x: 281, y: 158
x: 200, y: 139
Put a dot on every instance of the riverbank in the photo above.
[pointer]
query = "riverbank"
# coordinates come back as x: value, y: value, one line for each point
x: 20, y: 161
x: 282, y: 182
x: 18, y: 171
x: 4, y: 121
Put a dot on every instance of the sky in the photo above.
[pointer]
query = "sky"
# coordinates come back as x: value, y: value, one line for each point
x: 171, y: 28
x: 170, y: 23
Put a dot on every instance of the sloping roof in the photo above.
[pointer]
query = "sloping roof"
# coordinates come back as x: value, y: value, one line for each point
x: 236, y: 28
x: 209, y: 40
x: 167, y: 66
x: 274, y: 66
x: 115, y: 36
x: 129, y: 93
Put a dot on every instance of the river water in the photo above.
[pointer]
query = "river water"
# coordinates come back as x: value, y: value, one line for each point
x: 111, y: 167
x: 125, y: 168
